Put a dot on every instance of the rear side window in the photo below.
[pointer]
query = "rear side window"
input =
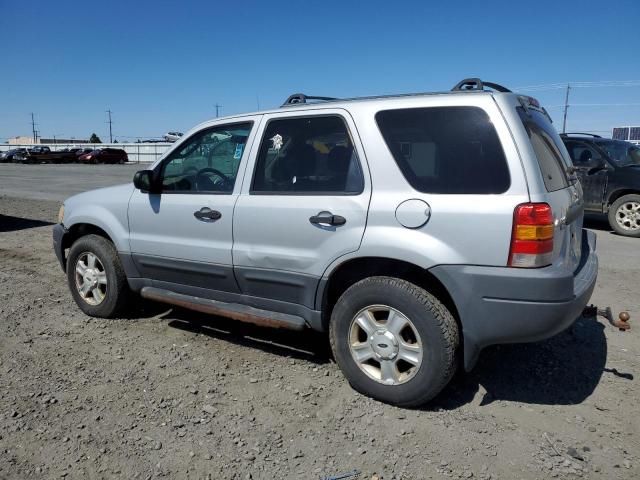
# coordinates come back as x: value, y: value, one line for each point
x: 548, y: 148
x: 307, y: 156
x: 452, y: 150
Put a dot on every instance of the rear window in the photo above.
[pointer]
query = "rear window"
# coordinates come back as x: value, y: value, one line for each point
x: 548, y: 147
x: 450, y: 150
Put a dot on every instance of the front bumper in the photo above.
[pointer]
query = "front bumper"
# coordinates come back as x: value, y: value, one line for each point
x: 511, y: 305
x: 59, y: 233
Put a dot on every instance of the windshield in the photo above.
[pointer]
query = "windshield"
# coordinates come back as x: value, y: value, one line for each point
x: 621, y: 153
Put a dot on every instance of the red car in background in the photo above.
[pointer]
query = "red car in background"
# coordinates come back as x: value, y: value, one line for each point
x: 104, y: 155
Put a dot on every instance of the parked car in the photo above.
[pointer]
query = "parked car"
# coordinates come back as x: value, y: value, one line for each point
x: 42, y: 155
x: 9, y: 155
x: 104, y: 155
x: 609, y: 171
x: 172, y: 136
x: 415, y: 229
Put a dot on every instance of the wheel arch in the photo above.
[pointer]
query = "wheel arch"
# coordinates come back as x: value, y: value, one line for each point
x: 353, y: 270
x: 79, y: 230
x: 615, y: 195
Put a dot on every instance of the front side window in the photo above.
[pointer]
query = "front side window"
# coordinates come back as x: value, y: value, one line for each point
x: 207, y: 162
x: 448, y: 150
x: 622, y: 153
x: 307, y: 155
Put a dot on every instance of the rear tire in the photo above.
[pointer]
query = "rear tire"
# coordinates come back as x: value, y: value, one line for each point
x: 624, y: 215
x: 421, y: 330
x: 96, y: 278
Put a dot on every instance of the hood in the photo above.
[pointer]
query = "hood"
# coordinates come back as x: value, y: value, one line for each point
x: 117, y: 194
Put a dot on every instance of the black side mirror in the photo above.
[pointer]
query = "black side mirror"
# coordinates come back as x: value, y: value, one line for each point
x: 143, y: 181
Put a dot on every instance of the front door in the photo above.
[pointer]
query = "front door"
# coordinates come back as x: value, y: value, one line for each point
x: 304, y: 204
x: 183, y: 235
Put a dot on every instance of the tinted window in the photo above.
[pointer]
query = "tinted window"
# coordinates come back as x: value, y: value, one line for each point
x: 446, y: 149
x: 582, y: 154
x: 548, y: 148
x: 622, y: 153
x: 307, y: 155
x: 206, y: 162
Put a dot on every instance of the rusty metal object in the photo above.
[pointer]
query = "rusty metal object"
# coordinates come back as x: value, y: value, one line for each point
x: 242, y: 313
x: 621, y: 323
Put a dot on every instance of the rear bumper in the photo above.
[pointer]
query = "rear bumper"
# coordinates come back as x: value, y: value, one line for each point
x: 510, y: 305
x: 59, y: 233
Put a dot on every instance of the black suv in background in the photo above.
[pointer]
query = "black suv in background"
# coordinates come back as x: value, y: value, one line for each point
x: 609, y: 171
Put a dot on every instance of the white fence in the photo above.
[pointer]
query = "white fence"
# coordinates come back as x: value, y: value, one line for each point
x: 137, y: 152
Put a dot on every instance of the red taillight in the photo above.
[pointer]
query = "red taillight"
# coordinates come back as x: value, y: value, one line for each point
x: 532, y: 236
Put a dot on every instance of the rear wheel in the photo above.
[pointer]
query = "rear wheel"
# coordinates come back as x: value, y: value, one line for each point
x: 394, y: 341
x: 624, y: 215
x: 96, y: 278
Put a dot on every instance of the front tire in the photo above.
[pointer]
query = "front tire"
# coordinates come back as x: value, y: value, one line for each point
x: 394, y: 341
x: 96, y: 278
x: 624, y: 215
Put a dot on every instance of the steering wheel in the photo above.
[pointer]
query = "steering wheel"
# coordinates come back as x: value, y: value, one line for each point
x: 200, y: 176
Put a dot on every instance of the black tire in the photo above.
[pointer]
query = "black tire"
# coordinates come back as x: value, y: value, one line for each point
x: 434, y: 323
x: 117, y: 294
x: 614, y: 213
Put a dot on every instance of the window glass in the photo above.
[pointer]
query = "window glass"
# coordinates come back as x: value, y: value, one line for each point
x: 547, y: 145
x: 206, y: 162
x: 622, y: 153
x: 307, y: 155
x: 446, y: 149
x: 583, y: 154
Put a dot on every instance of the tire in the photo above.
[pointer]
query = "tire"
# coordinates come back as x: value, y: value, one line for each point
x: 624, y: 215
x: 432, y: 329
x: 113, y: 290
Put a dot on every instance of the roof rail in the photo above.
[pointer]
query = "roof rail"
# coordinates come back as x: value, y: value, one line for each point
x: 580, y: 133
x: 302, y: 98
x: 469, y: 84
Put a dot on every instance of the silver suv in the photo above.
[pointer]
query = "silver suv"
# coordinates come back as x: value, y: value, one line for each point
x: 415, y: 229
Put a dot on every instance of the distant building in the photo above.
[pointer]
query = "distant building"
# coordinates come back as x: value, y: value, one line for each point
x: 629, y: 134
x: 23, y: 140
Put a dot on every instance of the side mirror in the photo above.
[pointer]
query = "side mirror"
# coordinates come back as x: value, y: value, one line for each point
x: 143, y: 181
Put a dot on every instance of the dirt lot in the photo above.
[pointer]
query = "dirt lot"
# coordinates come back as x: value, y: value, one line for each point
x: 175, y: 394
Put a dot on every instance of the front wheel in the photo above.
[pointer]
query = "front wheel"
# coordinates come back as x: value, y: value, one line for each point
x: 96, y: 278
x: 624, y: 215
x: 394, y: 341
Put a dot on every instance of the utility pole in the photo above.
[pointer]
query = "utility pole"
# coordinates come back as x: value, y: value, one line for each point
x: 218, y: 107
x: 110, y: 132
x: 566, y: 107
x: 33, y: 129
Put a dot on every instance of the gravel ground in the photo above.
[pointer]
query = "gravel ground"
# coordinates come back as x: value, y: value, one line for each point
x: 175, y: 394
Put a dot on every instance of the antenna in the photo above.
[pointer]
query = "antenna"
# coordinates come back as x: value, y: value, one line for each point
x: 218, y: 107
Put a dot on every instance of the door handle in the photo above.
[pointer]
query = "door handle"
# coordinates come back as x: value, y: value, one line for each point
x: 328, y: 219
x: 206, y: 214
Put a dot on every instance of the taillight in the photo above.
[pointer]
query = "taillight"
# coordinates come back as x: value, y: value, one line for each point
x: 532, y: 236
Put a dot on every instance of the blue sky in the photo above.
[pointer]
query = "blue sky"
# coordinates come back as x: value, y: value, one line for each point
x: 163, y: 66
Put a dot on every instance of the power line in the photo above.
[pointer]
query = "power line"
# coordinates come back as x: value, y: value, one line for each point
x: 601, y: 83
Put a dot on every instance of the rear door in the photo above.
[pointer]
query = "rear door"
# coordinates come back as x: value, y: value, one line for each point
x: 563, y: 192
x: 303, y: 204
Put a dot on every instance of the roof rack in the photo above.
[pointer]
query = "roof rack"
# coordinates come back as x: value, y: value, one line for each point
x: 580, y: 133
x: 297, y: 98
x: 471, y: 84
